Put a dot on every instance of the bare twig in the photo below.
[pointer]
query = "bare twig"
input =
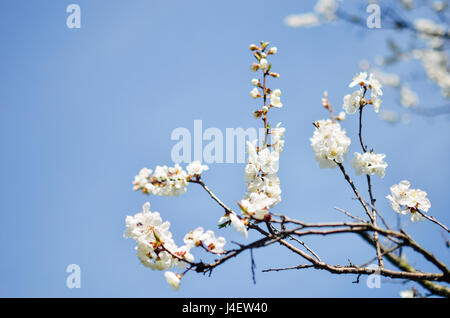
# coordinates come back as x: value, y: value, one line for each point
x: 432, y: 219
x: 348, y: 214
x: 213, y: 196
x: 286, y: 268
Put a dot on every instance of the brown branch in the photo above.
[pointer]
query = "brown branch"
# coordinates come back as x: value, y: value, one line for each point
x: 213, y: 196
x: 415, y: 276
x: 369, y: 184
x: 404, y: 266
x: 301, y: 266
x: 383, y: 254
x: 364, y: 227
x: 306, y: 247
x: 265, y: 241
x: 352, y: 185
x: 348, y: 214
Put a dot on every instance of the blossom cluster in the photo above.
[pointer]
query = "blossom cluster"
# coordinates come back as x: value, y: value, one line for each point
x: 369, y: 163
x: 261, y: 54
x: 408, y: 98
x: 435, y: 60
x: 240, y: 224
x: 357, y: 99
x: 208, y: 240
x: 263, y: 184
x: 167, y: 181
x: 408, y: 201
x: 435, y: 56
x: 329, y: 143
x: 156, y: 248
x: 324, y: 11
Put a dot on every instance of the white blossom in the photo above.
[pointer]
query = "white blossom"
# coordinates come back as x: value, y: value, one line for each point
x: 142, y: 178
x: 327, y: 9
x: 206, y: 239
x: 324, y: 10
x: 165, y: 181
x: 263, y: 185
x: 194, y: 238
x: 256, y: 205
x: 268, y: 161
x: 255, y: 81
x: 408, y: 293
x: 369, y: 163
x: 263, y: 63
x: 213, y: 243
x: 173, y: 280
x: 275, y: 98
x: 375, y: 86
x: 376, y: 102
x: 435, y: 64
x: 196, y: 168
x: 359, y: 79
x: 405, y: 200
x: 329, y: 143
x: 302, y: 20
x: 181, y: 255
x: 408, y: 98
x: 273, y: 50
x: 238, y: 224
x: 255, y: 93
x: 277, y: 134
x: 154, y: 241
x: 440, y: 6
x: 352, y: 102
x: 428, y: 27
x: 341, y: 116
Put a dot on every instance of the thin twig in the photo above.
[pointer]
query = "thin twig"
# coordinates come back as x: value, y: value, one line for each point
x: 286, y: 268
x: 348, y: 214
x: 432, y: 219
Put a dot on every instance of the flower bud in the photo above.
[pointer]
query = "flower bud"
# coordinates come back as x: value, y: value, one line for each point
x: 257, y: 114
x: 173, y: 280
x: 255, y: 93
x: 253, y: 47
x: 341, y: 116
x: 263, y: 64
x: 273, y: 74
x: 255, y: 67
x: 264, y: 45
x: 325, y: 99
x: 272, y: 50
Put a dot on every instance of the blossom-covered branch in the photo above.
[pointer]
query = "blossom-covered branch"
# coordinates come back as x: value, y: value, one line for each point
x: 157, y: 250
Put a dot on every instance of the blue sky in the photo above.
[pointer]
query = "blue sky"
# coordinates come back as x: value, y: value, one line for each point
x: 82, y: 110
